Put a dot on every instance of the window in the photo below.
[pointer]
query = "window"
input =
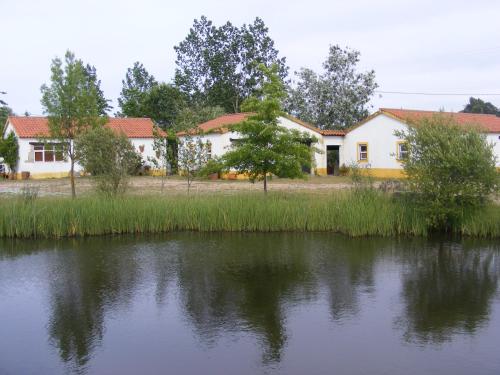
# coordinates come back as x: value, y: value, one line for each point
x: 48, y: 153
x: 362, y: 152
x: 38, y: 152
x: 402, y: 150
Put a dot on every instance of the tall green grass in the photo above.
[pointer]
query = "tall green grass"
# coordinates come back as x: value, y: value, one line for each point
x: 351, y: 213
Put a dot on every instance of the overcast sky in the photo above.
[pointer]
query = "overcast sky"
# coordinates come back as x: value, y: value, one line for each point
x: 416, y: 46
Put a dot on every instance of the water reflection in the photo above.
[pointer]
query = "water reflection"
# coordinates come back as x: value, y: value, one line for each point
x: 448, y: 289
x: 250, y: 285
x: 89, y: 280
x: 237, y: 284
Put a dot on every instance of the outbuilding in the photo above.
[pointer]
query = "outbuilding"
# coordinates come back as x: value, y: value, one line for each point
x: 41, y: 158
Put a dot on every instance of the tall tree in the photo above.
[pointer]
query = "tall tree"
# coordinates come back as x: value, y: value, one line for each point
x: 190, y: 117
x: 336, y: 98
x: 5, y: 111
x: 102, y: 102
x: 477, y: 105
x: 136, y: 86
x: 163, y: 103
x: 217, y: 66
x: 264, y: 147
x: 1, y: 101
x: 72, y: 105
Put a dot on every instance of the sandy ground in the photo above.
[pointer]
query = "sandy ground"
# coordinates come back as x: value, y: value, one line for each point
x: 152, y: 185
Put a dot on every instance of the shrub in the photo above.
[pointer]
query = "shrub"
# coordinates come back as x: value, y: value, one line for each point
x: 109, y: 158
x: 343, y: 170
x: 361, y: 178
x: 9, y: 151
x: 450, y: 168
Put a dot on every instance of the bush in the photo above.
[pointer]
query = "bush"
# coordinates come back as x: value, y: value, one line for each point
x: 109, y: 158
x: 9, y: 151
x: 343, y: 170
x: 450, y: 168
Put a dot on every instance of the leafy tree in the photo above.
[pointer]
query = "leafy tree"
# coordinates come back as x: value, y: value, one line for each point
x: 477, y: 105
x: 102, y: 102
x: 136, y: 86
x: 72, y: 105
x: 165, y: 147
x: 5, y: 112
x: 192, y: 157
x: 9, y: 151
x: 218, y: 66
x: 190, y: 117
x: 264, y: 147
x: 451, y: 168
x: 336, y: 98
x: 108, y: 157
x: 163, y: 103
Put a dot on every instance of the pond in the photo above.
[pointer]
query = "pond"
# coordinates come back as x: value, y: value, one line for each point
x: 296, y: 303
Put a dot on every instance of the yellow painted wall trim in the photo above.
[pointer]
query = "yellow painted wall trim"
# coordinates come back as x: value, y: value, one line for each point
x: 321, y: 171
x: 44, y: 175
x: 385, y: 172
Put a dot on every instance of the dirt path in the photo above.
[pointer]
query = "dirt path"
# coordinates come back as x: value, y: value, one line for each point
x: 147, y: 185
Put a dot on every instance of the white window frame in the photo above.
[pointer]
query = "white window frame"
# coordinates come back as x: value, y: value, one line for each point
x: 402, y: 155
x: 43, y: 149
x: 360, y: 153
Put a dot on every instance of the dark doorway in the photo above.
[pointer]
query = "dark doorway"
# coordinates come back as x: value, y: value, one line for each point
x: 332, y: 160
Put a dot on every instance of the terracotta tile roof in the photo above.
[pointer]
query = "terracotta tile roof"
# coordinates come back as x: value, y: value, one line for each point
x: 491, y: 123
x: 222, y: 123
x: 314, y: 128
x: 34, y: 127
x: 333, y: 132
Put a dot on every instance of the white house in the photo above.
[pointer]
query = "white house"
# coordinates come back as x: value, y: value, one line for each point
x: 371, y: 143
x: 42, y: 159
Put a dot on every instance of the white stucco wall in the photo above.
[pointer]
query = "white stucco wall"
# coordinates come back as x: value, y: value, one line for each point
x: 382, y: 143
x: 221, y: 142
x: 494, y: 138
x: 59, y: 168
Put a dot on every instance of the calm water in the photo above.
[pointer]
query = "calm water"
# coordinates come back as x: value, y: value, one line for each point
x: 246, y: 304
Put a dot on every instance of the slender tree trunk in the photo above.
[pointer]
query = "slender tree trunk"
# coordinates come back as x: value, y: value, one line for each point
x: 265, y: 183
x: 72, y: 178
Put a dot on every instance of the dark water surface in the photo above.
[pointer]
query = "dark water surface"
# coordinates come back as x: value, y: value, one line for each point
x: 193, y: 303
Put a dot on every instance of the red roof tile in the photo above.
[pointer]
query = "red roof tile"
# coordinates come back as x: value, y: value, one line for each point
x: 222, y: 123
x: 491, y: 123
x: 333, y: 132
x: 34, y: 127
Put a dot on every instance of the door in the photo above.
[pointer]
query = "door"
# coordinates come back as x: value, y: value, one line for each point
x: 332, y: 160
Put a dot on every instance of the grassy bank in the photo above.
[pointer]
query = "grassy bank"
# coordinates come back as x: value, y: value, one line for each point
x: 342, y: 211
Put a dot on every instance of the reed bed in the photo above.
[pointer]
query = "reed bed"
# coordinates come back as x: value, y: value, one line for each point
x: 349, y: 212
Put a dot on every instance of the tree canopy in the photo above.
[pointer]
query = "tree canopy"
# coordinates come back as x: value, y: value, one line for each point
x: 136, y: 86
x: 450, y: 168
x: 218, y: 66
x: 336, y: 98
x: 9, y: 151
x: 477, y: 105
x: 109, y: 157
x: 72, y: 104
x: 263, y: 146
x: 102, y: 103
